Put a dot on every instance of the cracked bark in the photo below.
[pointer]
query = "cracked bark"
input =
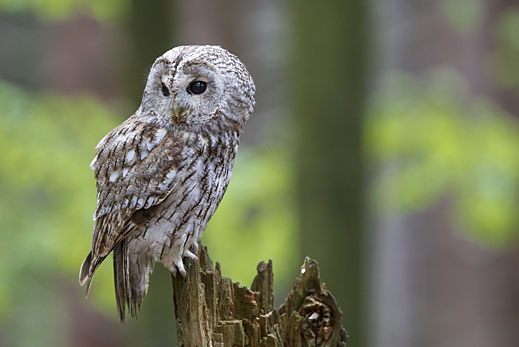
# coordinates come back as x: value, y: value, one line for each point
x: 212, y: 310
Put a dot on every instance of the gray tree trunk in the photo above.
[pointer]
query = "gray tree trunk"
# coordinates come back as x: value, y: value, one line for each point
x: 328, y: 93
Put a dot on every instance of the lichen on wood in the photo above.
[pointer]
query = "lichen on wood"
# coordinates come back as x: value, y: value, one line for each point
x: 211, y: 310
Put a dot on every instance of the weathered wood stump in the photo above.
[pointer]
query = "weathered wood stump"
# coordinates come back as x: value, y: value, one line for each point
x: 211, y: 310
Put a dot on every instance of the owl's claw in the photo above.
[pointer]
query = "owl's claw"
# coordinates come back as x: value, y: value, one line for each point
x: 180, y: 266
x: 190, y: 255
x: 175, y: 267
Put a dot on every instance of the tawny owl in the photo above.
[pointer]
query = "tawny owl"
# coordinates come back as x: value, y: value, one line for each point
x: 162, y: 173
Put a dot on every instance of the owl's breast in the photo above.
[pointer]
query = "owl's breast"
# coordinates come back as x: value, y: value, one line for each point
x: 196, y: 191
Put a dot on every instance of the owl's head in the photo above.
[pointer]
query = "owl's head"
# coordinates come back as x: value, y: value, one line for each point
x: 196, y: 85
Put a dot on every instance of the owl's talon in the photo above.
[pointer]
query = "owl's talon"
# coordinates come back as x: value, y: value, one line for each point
x: 171, y: 267
x: 194, y: 247
x: 176, y: 267
x: 190, y: 255
x: 180, y: 266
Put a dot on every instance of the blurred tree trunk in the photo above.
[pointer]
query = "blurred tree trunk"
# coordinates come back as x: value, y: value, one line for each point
x: 151, y: 27
x: 433, y: 286
x: 328, y: 88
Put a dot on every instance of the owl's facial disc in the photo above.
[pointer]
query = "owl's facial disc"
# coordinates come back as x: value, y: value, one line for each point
x: 196, y: 85
x: 195, y: 89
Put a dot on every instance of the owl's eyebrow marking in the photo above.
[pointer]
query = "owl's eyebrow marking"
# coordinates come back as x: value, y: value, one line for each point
x: 175, y: 64
x: 198, y: 62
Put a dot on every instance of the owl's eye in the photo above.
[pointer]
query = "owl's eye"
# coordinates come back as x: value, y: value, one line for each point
x: 165, y: 90
x: 197, y: 87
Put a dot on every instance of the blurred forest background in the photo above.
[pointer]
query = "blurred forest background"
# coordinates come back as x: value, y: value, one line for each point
x: 385, y: 144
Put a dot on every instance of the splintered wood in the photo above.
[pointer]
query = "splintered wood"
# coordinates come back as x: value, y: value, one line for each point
x: 211, y: 310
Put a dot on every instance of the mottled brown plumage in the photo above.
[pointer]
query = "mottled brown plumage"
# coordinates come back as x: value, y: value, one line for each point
x: 162, y: 173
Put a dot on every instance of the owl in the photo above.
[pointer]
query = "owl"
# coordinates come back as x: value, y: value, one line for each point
x: 162, y: 173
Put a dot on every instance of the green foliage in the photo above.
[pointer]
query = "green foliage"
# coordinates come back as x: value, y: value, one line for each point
x: 47, y: 197
x: 430, y: 139
x: 61, y: 9
x: 47, y: 190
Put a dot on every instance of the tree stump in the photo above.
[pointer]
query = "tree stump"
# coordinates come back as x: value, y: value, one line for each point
x: 212, y: 310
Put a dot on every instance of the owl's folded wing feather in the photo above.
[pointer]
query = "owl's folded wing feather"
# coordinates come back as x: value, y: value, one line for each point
x: 135, y: 168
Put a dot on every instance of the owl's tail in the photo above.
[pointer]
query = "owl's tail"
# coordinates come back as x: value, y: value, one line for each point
x: 122, y: 279
x: 89, y: 266
x: 131, y: 276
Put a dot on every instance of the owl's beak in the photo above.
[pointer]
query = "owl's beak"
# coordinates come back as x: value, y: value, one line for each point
x: 177, y: 110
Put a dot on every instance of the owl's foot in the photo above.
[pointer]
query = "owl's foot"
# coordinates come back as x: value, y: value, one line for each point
x: 176, y: 266
x: 191, y: 248
x: 194, y: 247
x: 190, y: 255
x: 180, y: 249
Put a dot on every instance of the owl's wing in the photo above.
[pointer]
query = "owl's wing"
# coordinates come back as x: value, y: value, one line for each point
x: 135, y: 168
